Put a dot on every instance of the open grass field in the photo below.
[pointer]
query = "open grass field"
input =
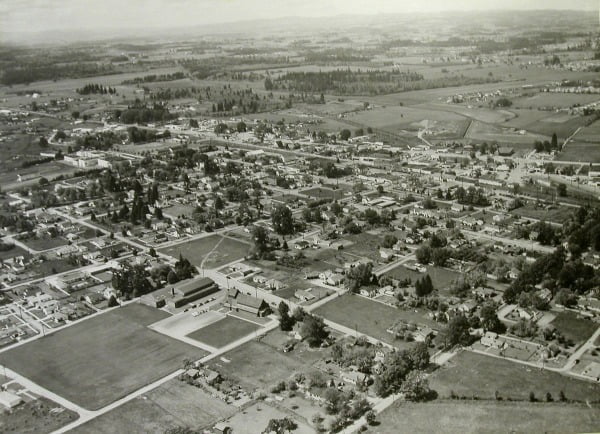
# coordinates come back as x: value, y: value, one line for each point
x: 256, y: 366
x: 322, y: 192
x: 584, y: 152
x: 470, y: 374
x: 557, y: 214
x: 223, y: 332
x: 40, y: 244
x: 35, y: 417
x: 590, y: 133
x: 255, y: 419
x: 175, y: 403
x: 572, y: 327
x: 492, y: 133
x: 459, y: 417
x: 222, y: 250
x: 101, y: 359
x: 441, y: 277
x: 369, y: 317
x: 15, y: 251
x: 178, y: 210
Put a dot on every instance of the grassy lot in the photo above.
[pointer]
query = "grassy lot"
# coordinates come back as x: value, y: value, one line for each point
x: 580, y: 151
x: 557, y: 214
x: 45, y: 243
x: 35, y: 417
x: 224, y: 331
x: 370, y: 317
x: 441, y: 277
x: 222, y: 250
x: 485, y: 417
x: 255, y: 419
x: 15, y: 251
x: 469, y: 374
x: 177, y: 210
x: 322, y: 192
x: 572, y: 327
x: 101, y: 359
x: 173, y: 404
x: 257, y: 366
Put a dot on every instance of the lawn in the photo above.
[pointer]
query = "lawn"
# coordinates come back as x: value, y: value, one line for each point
x: 556, y: 214
x: 572, y: 327
x: 469, y: 374
x: 179, y: 210
x: 254, y: 419
x: 175, y: 403
x: 41, y: 244
x: 485, y: 417
x: 223, y: 332
x: 35, y: 417
x: 369, y: 317
x: 11, y: 253
x: 222, y: 251
x: 101, y: 359
x: 257, y: 366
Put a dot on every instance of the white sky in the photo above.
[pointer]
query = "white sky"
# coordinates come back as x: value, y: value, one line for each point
x: 41, y: 15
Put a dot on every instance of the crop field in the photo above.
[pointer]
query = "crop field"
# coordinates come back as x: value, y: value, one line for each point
x: 223, y: 332
x: 476, y: 113
x: 101, y: 359
x: 257, y: 366
x: 222, y: 250
x: 369, y: 317
x: 470, y: 374
x: 458, y: 417
x: 590, y: 133
x: 174, y: 403
x: 572, y: 327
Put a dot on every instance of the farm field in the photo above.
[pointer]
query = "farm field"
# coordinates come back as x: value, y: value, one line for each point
x: 222, y: 251
x: 572, y: 327
x: 256, y: 366
x: 485, y: 417
x: 470, y: 374
x: 255, y: 419
x: 580, y: 151
x: 175, y: 403
x: 492, y: 133
x: 223, y: 332
x: 369, y: 317
x: 591, y: 133
x: 101, y: 359
x: 552, y: 99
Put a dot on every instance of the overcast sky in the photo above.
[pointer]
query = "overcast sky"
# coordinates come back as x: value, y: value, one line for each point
x: 42, y: 15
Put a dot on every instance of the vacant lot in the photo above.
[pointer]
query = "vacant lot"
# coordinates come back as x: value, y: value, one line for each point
x: 322, y: 192
x: 369, y: 317
x: 35, y: 417
x: 485, y: 417
x: 102, y: 359
x: 173, y: 404
x: 179, y: 210
x: 224, y: 331
x: 257, y: 366
x: 470, y: 374
x: 11, y: 253
x: 222, y: 250
x: 572, y: 327
x: 440, y: 277
x: 556, y: 214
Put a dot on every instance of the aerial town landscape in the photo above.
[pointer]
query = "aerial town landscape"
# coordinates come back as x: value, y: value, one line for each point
x: 378, y: 223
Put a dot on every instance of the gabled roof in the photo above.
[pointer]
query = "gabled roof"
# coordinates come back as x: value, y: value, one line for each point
x: 250, y: 301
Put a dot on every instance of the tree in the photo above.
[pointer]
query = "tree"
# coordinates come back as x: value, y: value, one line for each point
x: 370, y: 417
x: 358, y: 276
x: 241, y: 127
x: 416, y: 387
x: 561, y: 189
x: 261, y: 241
x: 283, y: 221
x: 268, y: 83
x: 396, y: 367
x: 566, y: 298
x: 490, y: 320
x: 423, y: 254
x: 424, y: 286
x: 286, y: 322
x: 280, y: 426
x: 313, y: 330
x: 345, y: 134
x: 554, y: 141
x: 389, y: 241
x: 457, y: 331
x: 419, y: 355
